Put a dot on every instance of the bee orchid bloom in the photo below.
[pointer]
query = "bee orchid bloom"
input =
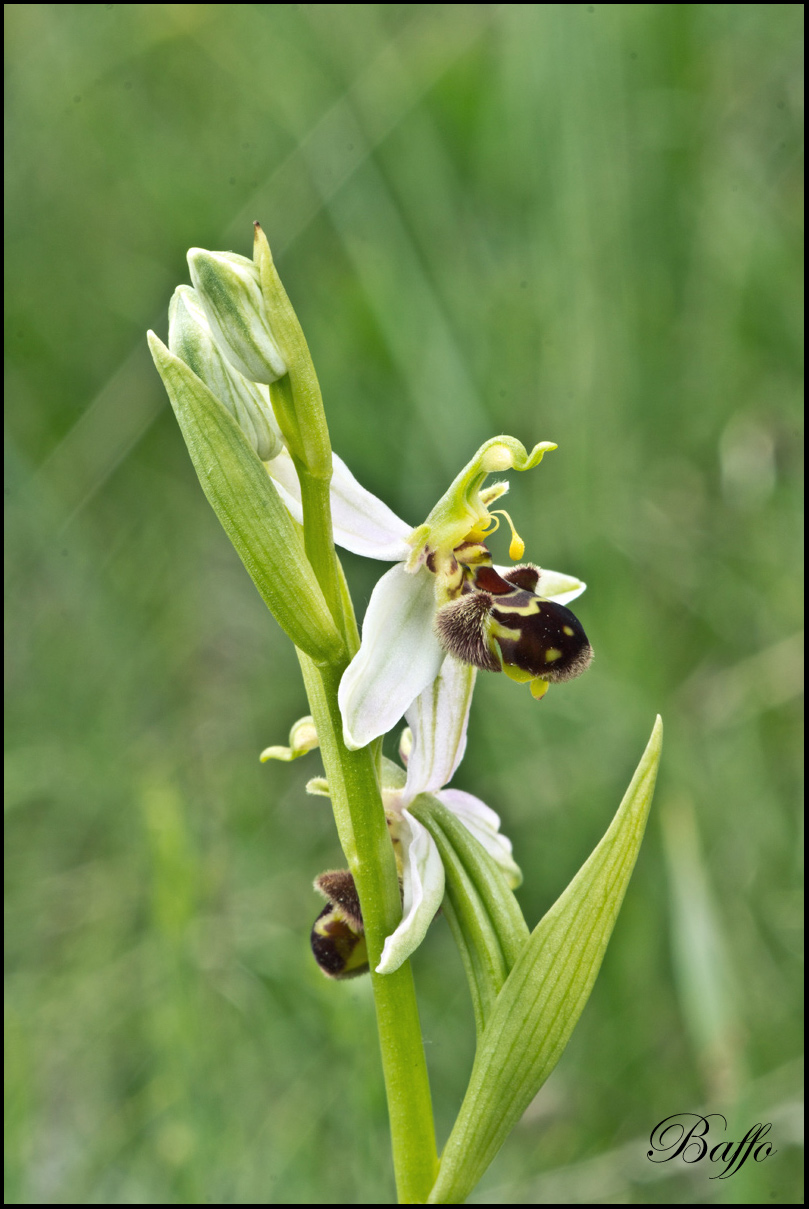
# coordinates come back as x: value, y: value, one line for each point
x: 444, y: 596
x: 432, y: 749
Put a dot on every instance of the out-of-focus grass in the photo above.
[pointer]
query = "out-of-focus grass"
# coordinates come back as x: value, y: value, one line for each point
x: 567, y: 222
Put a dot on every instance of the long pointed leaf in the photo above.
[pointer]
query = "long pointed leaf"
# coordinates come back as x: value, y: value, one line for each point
x: 544, y: 995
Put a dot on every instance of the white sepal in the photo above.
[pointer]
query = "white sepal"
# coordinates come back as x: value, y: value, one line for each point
x: 398, y: 657
x: 484, y: 824
x: 553, y: 585
x: 423, y: 890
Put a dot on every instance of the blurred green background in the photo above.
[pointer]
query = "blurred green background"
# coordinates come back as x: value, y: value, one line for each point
x: 577, y: 223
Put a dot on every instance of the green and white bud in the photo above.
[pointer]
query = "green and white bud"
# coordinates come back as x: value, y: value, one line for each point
x: 230, y: 291
x: 302, y: 739
x: 191, y: 339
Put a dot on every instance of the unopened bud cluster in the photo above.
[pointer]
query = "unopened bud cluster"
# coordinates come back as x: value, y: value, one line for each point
x: 191, y: 338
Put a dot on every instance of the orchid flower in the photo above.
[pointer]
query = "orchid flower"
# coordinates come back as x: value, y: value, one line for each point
x: 444, y: 596
x: 431, y: 748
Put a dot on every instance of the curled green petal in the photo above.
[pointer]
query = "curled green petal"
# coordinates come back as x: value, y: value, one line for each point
x: 462, y: 510
x: 302, y: 738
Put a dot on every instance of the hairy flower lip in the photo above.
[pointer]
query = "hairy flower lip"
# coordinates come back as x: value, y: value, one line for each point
x: 338, y: 934
x: 400, y: 653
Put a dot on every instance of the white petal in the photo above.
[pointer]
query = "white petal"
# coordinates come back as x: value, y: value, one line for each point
x: 423, y: 890
x: 362, y: 523
x: 484, y: 824
x: 553, y: 585
x: 398, y: 657
x: 438, y: 718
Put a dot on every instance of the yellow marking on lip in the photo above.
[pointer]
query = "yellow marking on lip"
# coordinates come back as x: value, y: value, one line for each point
x: 552, y: 654
x: 498, y: 630
x: 517, y: 674
x: 528, y: 609
x: 567, y: 630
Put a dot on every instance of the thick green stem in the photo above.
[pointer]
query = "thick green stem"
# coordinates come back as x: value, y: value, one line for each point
x: 363, y: 832
x: 315, y: 486
x: 319, y: 541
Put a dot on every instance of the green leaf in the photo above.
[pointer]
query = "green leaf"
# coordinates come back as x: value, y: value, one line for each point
x: 479, y: 906
x: 249, y: 508
x: 544, y: 994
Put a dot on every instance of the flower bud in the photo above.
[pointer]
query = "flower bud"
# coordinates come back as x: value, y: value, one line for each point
x: 191, y: 340
x: 302, y: 739
x: 338, y: 934
x: 230, y: 292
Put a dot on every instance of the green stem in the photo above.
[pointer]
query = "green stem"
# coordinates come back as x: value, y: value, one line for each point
x: 314, y: 476
x: 318, y: 541
x: 352, y: 775
x: 363, y: 832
